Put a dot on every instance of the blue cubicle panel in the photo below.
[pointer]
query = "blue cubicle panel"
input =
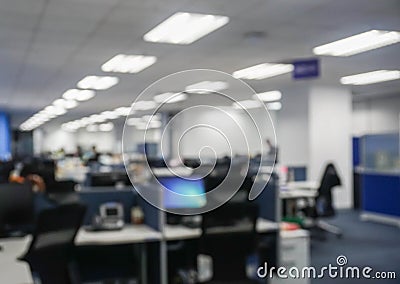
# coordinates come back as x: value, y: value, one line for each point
x: 93, y: 198
x: 381, y: 194
x: 267, y: 201
x: 5, y: 138
x: 356, y: 151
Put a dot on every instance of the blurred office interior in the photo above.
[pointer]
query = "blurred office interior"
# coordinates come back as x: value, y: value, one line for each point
x: 193, y: 141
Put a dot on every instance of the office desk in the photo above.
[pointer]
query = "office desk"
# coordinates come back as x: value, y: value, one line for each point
x: 13, y: 271
x: 180, y: 232
x: 297, y: 193
x: 308, y: 184
x: 130, y: 234
x: 290, y: 193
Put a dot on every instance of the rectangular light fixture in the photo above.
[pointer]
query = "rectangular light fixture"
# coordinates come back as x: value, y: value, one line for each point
x: 97, y: 82
x: 185, y: 28
x: 263, y: 71
x: 206, y: 87
x: 78, y: 95
x: 123, y: 63
x: 269, y: 96
x: 358, y: 43
x: 246, y: 104
x: 371, y: 77
x: 169, y: 98
x: 274, y: 106
x: 144, y: 105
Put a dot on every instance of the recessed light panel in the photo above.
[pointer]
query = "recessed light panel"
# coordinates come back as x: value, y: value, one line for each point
x: 78, y: 95
x: 205, y: 87
x: 358, y: 43
x: 371, y: 77
x: 123, y: 63
x: 263, y: 71
x: 97, y: 82
x: 185, y: 28
x: 269, y: 96
x: 169, y: 98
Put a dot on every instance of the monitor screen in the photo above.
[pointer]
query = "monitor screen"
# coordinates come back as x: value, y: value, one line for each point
x: 112, y: 211
x: 193, y: 193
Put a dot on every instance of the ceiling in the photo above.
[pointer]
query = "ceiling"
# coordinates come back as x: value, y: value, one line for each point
x: 47, y: 46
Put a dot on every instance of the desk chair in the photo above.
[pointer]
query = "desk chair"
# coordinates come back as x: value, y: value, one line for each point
x: 50, y: 253
x: 229, y: 237
x: 323, y: 205
x: 16, y: 209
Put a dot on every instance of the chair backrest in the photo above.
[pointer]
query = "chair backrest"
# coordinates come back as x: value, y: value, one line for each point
x: 55, y: 230
x: 16, y: 207
x: 229, y: 237
x: 324, y: 203
x: 5, y: 170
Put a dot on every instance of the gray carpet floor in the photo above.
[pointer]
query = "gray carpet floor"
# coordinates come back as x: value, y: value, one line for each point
x: 363, y: 243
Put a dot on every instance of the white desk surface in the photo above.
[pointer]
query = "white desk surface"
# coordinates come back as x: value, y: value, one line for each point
x: 297, y: 193
x: 308, y: 184
x: 129, y: 234
x: 13, y: 271
x: 180, y: 232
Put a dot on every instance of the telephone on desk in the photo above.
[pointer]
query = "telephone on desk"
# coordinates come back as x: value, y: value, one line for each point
x: 111, y: 218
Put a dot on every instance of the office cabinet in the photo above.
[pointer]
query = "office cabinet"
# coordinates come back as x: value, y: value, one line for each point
x: 294, y: 251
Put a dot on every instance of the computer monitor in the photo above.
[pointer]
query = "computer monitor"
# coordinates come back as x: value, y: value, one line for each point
x: 108, y: 179
x: 192, y: 193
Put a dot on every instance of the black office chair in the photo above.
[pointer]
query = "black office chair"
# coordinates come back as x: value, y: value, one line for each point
x: 16, y: 209
x: 5, y: 169
x: 323, y: 205
x: 50, y: 253
x: 229, y: 237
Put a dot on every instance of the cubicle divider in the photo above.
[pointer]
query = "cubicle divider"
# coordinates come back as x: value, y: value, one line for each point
x: 93, y: 197
x: 157, y: 251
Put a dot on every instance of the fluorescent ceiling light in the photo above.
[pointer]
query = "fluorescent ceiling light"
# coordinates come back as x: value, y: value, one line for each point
x: 97, y: 82
x: 67, y: 104
x: 123, y: 111
x: 169, y: 98
x: 371, y: 77
x: 55, y: 110
x: 106, y: 126
x: 123, y: 63
x: 109, y: 114
x: 69, y: 127
x: 143, y: 105
x: 78, y: 95
x: 205, y: 87
x: 269, y: 96
x: 358, y: 43
x: 262, y: 71
x: 274, y: 106
x: 97, y: 118
x: 185, y: 28
x: 247, y: 104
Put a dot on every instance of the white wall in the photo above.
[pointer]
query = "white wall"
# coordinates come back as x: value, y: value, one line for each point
x: 330, y: 116
x: 52, y: 138
x: 376, y: 115
x: 292, y: 127
x: 237, y: 130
